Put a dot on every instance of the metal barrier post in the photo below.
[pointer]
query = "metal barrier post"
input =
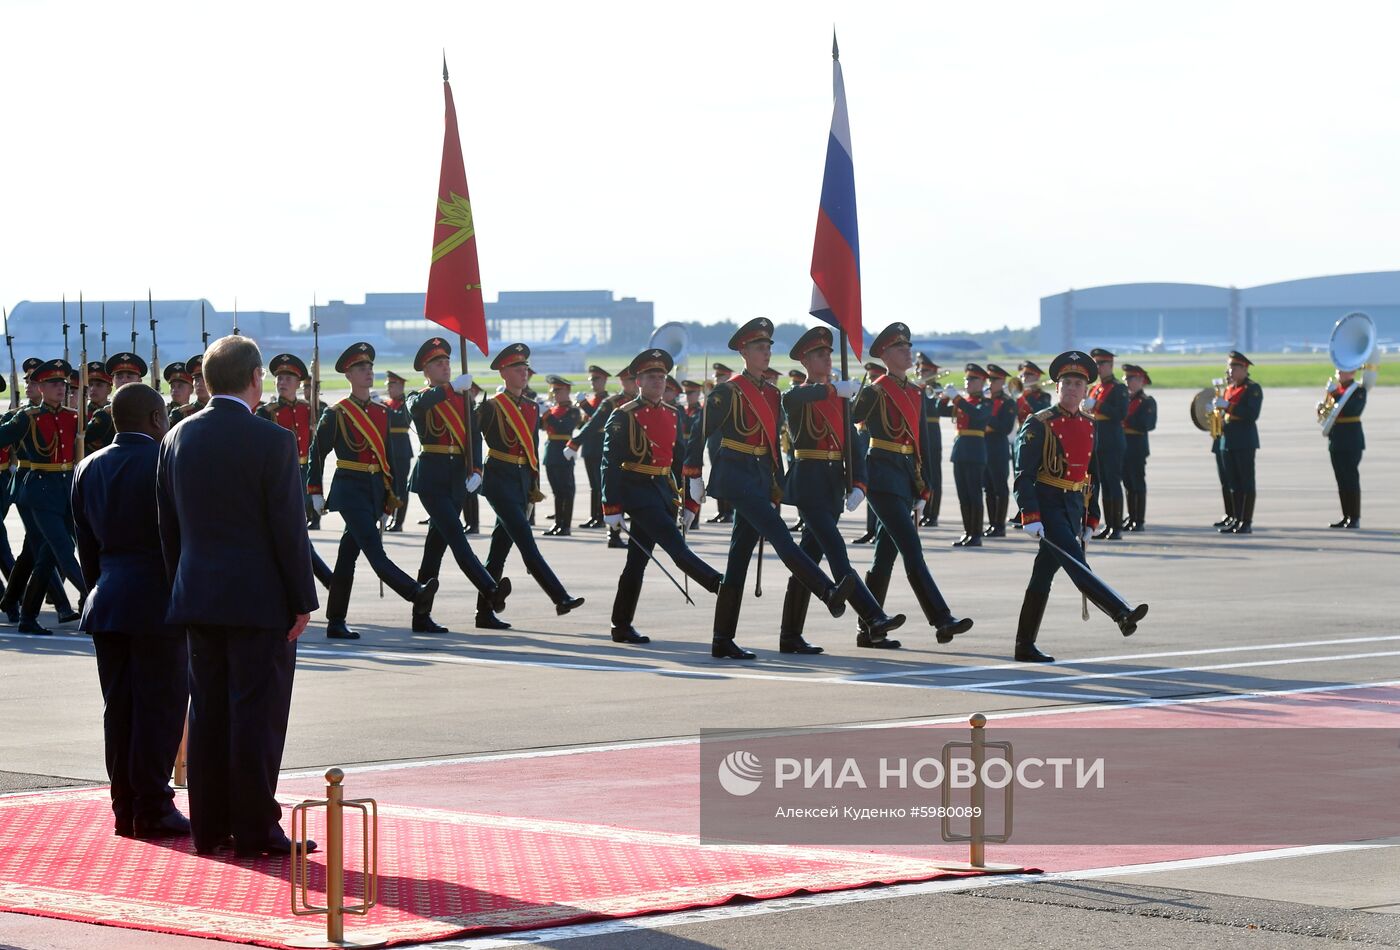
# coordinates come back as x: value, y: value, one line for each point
x: 335, y: 908
x: 978, y: 837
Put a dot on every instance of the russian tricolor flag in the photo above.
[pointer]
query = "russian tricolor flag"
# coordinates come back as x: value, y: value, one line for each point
x: 836, y: 251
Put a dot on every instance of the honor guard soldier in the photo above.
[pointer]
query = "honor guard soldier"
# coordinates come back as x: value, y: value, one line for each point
x: 592, y: 450
x: 1031, y: 400
x: 177, y: 375
x: 1140, y: 420
x: 400, y: 443
x: 596, y: 427
x: 873, y: 371
x: 100, y: 428
x: 724, y: 511
x: 1239, y: 440
x: 443, y: 479
x: 691, y: 409
x: 643, y: 452
x: 931, y: 448
x: 1000, y: 427
x: 1108, y: 402
x: 356, y: 431
x: 1054, y: 452
x: 742, y: 423
x: 120, y: 369
x: 7, y: 470
x: 825, y: 476
x: 971, y: 412
x: 1345, y: 443
x: 45, y: 438
x: 294, y: 415
x: 892, y: 410
x: 195, y: 366
x: 559, y: 422
x: 509, y: 423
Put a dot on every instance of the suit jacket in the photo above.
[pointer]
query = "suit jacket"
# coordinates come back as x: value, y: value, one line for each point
x: 114, y: 513
x: 232, y: 521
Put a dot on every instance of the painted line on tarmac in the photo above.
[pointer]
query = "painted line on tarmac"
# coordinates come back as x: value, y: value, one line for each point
x: 866, y: 894
x: 960, y: 718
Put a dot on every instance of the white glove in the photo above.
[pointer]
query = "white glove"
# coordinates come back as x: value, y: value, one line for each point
x: 473, y: 483
x: 581, y: 398
x: 1219, y: 402
x: 691, y: 517
x: 1089, y: 403
x: 950, y: 391
x: 847, y: 388
x: 1086, y: 534
x: 1034, y: 530
x: 612, y: 521
x: 854, y: 499
x: 318, y: 503
x: 919, y: 506
x: 697, y: 490
x: 570, y: 453
x: 462, y: 383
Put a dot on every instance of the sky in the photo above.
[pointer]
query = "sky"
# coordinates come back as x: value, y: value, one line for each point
x: 276, y: 152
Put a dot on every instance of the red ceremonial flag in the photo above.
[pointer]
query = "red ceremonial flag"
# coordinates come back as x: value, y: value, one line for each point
x: 454, y: 279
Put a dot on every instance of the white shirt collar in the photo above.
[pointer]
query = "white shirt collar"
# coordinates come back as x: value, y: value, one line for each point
x: 237, y: 399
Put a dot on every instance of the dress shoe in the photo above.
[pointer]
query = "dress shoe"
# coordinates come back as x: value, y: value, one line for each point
x: 997, y: 531
x: 1224, y: 522
x: 1127, y: 622
x: 951, y: 627
x: 865, y: 538
x: 1344, y: 523
x: 498, y: 598
x: 615, y: 540
x: 592, y: 523
x: 424, y: 623
x: 489, y: 621
x: 1029, y: 653
x: 796, y: 644
x: 394, y: 527
x: 1240, y: 528
x: 222, y: 843
x: 1353, y: 522
x: 973, y: 541
x: 628, y: 634
x: 962, y: 542
x: 796, y: 527
x: 340, y: 630
x: 12, y: 615
x: 568, y: 604
x: 423, y: 598
x: 173, y: 825
x: 32, y: 626
x: 864, y: 639
x: 836, y: 595
x: 122, y: 828
x: 274, y: 848
x: 729, y: 650
x: 927, y: 522
x: 68, y: 616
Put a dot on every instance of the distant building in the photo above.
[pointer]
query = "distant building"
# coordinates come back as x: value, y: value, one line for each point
x: 590, y: 319
x: 1293, y: 315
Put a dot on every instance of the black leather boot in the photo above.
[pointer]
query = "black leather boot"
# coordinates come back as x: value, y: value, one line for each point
x: 795, y: 603
x: 946, y: 625
x: 624, y: 610
x: 1032, y: 610
x: 875, y: 638
x: 424, y: 623
x: 727, y: 603
x: 1345, y: 498
x: 974, y: 525
x: 1244, y: 526
x: 1355, y: 520
x: 1229, y: 518
x: 486, y: 618
x: 563, y: 522
x: 836, y: 595
x: 339, y: 630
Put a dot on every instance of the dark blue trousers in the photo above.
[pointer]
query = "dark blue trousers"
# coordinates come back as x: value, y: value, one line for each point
x: 1346, y: 465
x: 445, y: 531
x: 821, y: 536
x: 968, y: 478
x: 1240, y: 465
x: 652, y: 527
x: 362, y: 534
x: 240, y: 694
x: 1062, y: 514
x: 898, y: 535
x: 755, y: 517
x: 56, y: 530
x: 1135, y: 467
x: 513, y: 530
x: 997, y: 477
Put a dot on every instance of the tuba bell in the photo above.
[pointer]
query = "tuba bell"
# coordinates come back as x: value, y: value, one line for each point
x: 1351, y: 346
x: 673, y: 338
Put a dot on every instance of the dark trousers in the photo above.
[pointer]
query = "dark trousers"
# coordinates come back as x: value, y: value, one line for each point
x: 445, y: 531
x: 145, y: 689
x: 1240, y: 465
x: 561, y: 486
x: 755, y: 517
x: 240, y: 694
x: 362, y: 534
x: 56, y: 530
x: 513, y: 529
x: 997, y: 477
x: 968, y: 477
x: 1108, y: 480
x: 593, y: 468
x: 898, y: 535
x: 821, y: 537
x: 1346, y: 466
x: 1062, y: 514
x: 1223, y: 471
x: 7, y: 557
x: 652, y: 527
x: 1135, y: 471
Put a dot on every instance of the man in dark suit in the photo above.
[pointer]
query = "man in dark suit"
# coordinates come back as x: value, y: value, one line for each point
x: 231, y: 506
x: 141, y: 661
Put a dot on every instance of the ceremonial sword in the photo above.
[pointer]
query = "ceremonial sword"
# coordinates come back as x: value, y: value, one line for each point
x: 659, y: 565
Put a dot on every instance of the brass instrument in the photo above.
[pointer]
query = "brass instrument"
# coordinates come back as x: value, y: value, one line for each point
x: 1203, y: 412
x: 1351, y: 346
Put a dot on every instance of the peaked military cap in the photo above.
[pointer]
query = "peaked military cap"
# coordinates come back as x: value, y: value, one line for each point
x: 29, y: 365
x: 2, y: 384
x: 51, y: 369
x: 1073, y: 363
x: 875, y: 370
x: 176, y: 370
x: 972, y: 369
x: 692, y: 385
x: 721, y: 368
x: 817, y: 338
x: 672, y: 385
x: 355, y: 354
x: 126, y: 363
x: 889, y: 336
x: 1099, y: 353
x: 394, y: 377
x: 555, y: 380
x: 1027, y: 366
x: 98, y: 370
x: 1237, y: 357
x: 649, y: 360
x: 287, y: 363
x: 921, y: 357
x: 195, y: 366
x: 513, y: 355
x: 431, y: 350
x: 626, y: 373
x: 1132, y: 369
x: 996, y: 372
x: 596, y: 370
x: 797, y: 376
x: 756, y: 330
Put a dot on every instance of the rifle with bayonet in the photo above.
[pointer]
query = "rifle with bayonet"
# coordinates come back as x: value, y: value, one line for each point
x: 104, y: 332
x: 65, y: 328
x: 14, y: 371
x: 235, y: 316
x: 133, y: 326
x: 155, y: 351
x: 80, y: 444
x: 203, y: 333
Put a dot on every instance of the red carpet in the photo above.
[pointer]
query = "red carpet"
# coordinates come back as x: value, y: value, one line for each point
x: 442, y: 874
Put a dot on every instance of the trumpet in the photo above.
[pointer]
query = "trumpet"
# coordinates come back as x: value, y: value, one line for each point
x: 1016, y: 386
x: 1203, y: 412
x: 1217, y: 416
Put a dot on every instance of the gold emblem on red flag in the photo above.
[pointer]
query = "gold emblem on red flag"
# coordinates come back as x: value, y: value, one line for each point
x: 457, y: 213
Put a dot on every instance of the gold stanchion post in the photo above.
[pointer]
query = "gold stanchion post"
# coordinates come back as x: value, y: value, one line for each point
x: 335, y: 908
x: 977, y: 838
